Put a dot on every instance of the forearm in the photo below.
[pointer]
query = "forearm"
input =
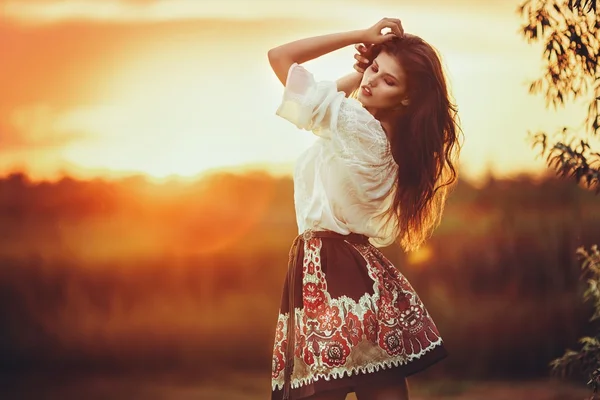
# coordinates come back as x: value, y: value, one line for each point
x: 300, y: 51
x: 349, y: 83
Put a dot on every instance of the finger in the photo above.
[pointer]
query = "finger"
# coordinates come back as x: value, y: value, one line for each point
x: 358, y: 68
x: 361, y: 59
x: 362, y: 66
x: 395, y: 25
x: 400, y: 28
x: 360, y: 47
x: 389, y: 36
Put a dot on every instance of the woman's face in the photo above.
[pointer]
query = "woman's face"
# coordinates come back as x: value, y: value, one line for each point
x: 383, y: 85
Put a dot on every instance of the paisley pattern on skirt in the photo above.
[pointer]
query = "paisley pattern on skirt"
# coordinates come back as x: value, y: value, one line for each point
x: 359, y: 317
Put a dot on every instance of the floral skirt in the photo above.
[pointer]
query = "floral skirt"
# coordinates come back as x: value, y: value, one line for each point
x: 358, y: 319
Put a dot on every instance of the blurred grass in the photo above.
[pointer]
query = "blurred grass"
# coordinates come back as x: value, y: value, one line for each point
x: 247, y: 386
x: 135, y: 278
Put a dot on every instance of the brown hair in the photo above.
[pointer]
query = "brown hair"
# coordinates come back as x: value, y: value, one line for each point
x: 424, y: 144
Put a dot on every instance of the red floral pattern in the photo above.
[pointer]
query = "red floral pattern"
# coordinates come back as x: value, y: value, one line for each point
x: 370, y: 326
x: 391, y: 324
x: 309, y: 353
x: 328, y: 318
x: 352, y: 329
x: 336, y: 351
x: 391, y: 340
x: 387, y: 310
x: 300, y: 343
x: 314, y: 297
x: 278, y: 363
x: 279, y: 331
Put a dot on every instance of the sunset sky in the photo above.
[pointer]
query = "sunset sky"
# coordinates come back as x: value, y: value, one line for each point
x: 111, y: 87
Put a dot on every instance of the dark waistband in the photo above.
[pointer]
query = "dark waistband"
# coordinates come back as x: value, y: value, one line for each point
x: 351, y: 237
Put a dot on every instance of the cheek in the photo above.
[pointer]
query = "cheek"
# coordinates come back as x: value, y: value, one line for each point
x: 390, y: 93
x: 366, y: 76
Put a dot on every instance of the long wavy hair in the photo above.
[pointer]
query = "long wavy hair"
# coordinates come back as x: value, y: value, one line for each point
x: 424, y: 144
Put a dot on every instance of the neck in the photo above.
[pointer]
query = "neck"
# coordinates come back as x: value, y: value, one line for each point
x: 386, y: 118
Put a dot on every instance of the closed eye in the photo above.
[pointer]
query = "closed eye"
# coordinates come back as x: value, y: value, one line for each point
x: 387, y: 81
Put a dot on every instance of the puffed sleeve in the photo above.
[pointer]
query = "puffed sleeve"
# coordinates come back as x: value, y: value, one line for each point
x: 308, y: 104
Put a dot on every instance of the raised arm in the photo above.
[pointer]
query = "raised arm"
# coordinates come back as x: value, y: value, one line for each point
x: 349, y: 83
x: 300, y: 51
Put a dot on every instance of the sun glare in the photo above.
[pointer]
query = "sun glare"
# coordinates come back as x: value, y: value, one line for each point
x: 159, y: 118
x: 420, y: 256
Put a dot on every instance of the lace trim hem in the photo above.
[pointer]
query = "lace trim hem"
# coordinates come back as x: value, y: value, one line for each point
x: 368, y: 368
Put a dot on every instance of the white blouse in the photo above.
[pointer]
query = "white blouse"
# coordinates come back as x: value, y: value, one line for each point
x: 344, y: 182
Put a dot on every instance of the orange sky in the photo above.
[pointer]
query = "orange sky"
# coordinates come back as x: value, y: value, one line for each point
x: 180, y: 86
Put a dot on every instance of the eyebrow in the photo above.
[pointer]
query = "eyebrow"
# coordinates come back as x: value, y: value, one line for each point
x: 387, y: 73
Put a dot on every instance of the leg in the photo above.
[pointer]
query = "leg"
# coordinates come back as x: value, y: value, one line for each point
x: 397, y: 391
x: 329, y: 395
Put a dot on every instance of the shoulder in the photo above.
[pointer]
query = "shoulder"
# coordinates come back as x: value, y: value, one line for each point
x: 360, y: 127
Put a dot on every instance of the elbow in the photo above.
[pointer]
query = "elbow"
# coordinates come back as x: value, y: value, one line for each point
x: 272, y: 54
x: 277, y: 58
x: 279, y: 63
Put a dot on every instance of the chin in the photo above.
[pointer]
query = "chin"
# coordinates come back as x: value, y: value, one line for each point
x: 363, y: 99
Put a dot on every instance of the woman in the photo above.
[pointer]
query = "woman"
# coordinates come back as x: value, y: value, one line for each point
x: 378, y: 173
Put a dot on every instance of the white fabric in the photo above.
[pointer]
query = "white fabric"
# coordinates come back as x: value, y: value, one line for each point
x: 345, y: 180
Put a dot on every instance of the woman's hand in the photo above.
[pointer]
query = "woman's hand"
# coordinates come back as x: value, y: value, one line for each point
x: 373, y: 34
x: 363, y: 58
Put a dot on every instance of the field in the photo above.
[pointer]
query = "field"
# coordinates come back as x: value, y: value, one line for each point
x: 249, y: 386
x: 129, y: 289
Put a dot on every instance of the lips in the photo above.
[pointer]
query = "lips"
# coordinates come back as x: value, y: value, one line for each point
x: 366, y: 90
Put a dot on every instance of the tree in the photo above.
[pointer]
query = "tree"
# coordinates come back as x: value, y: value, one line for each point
x: 587, y: 359
x: 570, y: 32
x: 571, y: 45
